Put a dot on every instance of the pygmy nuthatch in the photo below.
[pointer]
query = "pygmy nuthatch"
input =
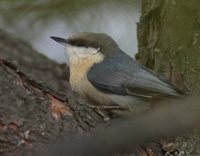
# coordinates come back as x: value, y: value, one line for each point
x: 100, y: 71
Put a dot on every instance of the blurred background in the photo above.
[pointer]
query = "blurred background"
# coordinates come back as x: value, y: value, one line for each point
x: 36, y: 20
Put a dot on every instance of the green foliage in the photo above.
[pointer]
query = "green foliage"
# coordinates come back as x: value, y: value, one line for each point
x: 14, y: 10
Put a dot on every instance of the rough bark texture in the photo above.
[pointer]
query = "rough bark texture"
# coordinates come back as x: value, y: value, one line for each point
x: 169, y: 39
x: 32, y: 112
x: 32, y: 63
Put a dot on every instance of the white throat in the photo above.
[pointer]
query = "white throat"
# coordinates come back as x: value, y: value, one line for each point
x: 77, y: 54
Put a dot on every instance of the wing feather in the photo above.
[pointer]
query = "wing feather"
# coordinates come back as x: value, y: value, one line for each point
x: 124, y: 76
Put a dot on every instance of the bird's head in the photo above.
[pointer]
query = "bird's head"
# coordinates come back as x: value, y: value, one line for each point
x: 88, y: 44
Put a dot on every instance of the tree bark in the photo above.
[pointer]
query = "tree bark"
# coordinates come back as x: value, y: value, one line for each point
x: 169, y: 39
x: 37, y: 107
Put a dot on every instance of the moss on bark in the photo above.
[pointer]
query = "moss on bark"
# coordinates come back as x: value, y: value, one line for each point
x: 169, y: 43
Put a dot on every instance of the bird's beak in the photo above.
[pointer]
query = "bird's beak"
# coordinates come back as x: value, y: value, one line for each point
x: 62, y: 41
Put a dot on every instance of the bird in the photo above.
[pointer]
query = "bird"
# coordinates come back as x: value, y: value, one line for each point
x: 102, y: 73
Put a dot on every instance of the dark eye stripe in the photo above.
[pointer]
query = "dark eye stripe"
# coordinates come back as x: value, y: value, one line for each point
x: 82, y: 43
x: 78, y: 43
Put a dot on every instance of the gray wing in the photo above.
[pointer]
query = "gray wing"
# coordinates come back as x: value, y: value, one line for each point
x: 124, y: 76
